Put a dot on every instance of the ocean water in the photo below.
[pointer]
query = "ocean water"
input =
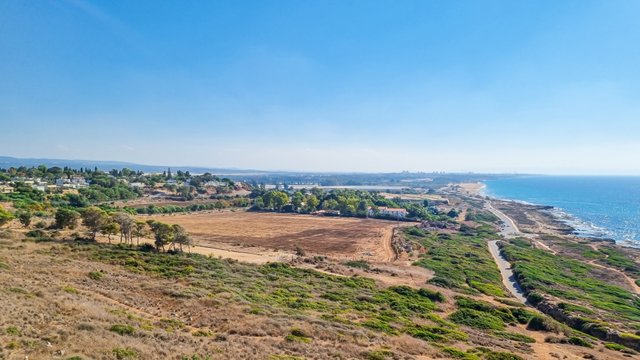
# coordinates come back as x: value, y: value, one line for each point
x: 596, y: 206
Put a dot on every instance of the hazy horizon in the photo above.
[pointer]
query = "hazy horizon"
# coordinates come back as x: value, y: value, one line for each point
x: 332, y: 86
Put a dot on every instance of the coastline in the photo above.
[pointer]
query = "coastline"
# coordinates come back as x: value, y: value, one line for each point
x: 553, y: 216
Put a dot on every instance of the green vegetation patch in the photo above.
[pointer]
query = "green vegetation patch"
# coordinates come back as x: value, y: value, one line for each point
x: 574, y: 282
x: 278, y: 288
x: 123, y: 329
x: 514, y: 336
x: 359, y: 264
x: 461, y: 261
x: 298, y: 335
x: 477, y: 319
x: 125, y: 353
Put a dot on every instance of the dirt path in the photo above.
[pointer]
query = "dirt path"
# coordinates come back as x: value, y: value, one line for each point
x: 254, y: 257
x: 632, y: 284
x: 508, y: 278
x: 545, y: 247
x: 389, y: 254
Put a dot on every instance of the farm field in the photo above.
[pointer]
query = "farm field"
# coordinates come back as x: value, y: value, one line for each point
x: 337, y: 237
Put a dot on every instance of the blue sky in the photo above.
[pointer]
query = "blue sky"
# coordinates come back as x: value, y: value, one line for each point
x: 496, y: 86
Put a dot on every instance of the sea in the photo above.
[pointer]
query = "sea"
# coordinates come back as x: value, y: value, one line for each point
x: 595, y: 206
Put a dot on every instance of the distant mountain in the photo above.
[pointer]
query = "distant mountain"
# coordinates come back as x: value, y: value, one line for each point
x: 7, y: 161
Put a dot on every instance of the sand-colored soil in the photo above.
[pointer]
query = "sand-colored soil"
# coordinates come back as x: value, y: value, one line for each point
x: 337, y: 237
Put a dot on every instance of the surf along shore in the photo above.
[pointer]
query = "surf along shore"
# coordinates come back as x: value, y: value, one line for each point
x: 589, y: 284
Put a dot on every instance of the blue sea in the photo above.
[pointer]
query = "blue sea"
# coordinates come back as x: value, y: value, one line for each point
x: 596, y: 206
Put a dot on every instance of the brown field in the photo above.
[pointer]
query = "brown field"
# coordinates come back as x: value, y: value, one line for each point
x: 330, y: 236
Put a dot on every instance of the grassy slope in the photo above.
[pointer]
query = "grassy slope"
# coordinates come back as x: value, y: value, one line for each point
x: 461, y: 261
x: 576, y: 285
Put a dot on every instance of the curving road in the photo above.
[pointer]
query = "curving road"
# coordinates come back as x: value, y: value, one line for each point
x: 508, y: 277
x: 508, y: 229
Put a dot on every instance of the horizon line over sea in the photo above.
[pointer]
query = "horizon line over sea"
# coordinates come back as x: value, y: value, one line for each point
x: 595, y: 206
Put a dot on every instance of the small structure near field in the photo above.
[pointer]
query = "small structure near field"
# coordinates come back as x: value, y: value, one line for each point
x: 398, y: 213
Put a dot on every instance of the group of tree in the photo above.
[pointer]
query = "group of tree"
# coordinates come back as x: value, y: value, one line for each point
x: 170, y: 209
x: 96, y: 220
x: 348, y: 202
x: 175, y: 236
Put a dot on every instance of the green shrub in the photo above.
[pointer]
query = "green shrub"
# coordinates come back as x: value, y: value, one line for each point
x: 360, y: 264
x: 539, y: 323
x: 435, y: 296
x: 70, y: 289
x: 379, y: 355
x: 96, y: 275
x: 477, y: 319
x: 523, y: 316
x: 298, y: 335
x: 616, y: 347
x: 458, y: 354
x: 125, y: 353
x: 574, y: 340
x: 515, y: 337
x: 123, y: 329
x: 202, y: 333
x: 13, y: 331
x: 502, y: 356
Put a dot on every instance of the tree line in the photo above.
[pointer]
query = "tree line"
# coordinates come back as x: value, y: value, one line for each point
x: 347, y: 201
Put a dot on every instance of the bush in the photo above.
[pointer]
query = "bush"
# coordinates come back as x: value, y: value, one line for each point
x: 515, y: 337
x: 298, y: 335
x: 502, y: 356
x: 539, y: 323
x: 96, y: 275
x: 13, y: 331
x: 125, y: 353
x: 442, y: 282
x: 122, y: 329
x: 436, y: 296
x: 534, y: 298
x: 477, y: 319
x: 523, y: 316
x: 360, y: 264
x: 574, y: 340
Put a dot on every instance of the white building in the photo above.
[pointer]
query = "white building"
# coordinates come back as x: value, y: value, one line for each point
x: 388, y: 211
x: 73, y: 183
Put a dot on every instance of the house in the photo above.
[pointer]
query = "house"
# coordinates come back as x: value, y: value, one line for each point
x: 75, y: 182
x: 398, y: 213
x: 326, y: 213
x: 42, y: 188
x: 6, y: 189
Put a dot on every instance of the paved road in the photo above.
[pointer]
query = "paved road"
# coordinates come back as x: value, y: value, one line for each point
x: 508, y: 278
x: 508, y: 228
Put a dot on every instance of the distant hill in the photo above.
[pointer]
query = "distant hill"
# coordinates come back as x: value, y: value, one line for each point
x: 7, y: 161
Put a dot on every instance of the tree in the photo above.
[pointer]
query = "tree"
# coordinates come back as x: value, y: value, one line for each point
x: 126, y: 223
x: 93, y: 218
x: 66, y: 218
x: 181, y: 237
x: 162, y: 233
x: 297, y: 200
x: 5, y: 216
x: 109, y: 228
x: 258, y: 202
x: 24, y: 217
x: 312, y: 202
x: 139, y: 230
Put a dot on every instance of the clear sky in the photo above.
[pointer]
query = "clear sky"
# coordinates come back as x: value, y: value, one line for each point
x: 498, y: 86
